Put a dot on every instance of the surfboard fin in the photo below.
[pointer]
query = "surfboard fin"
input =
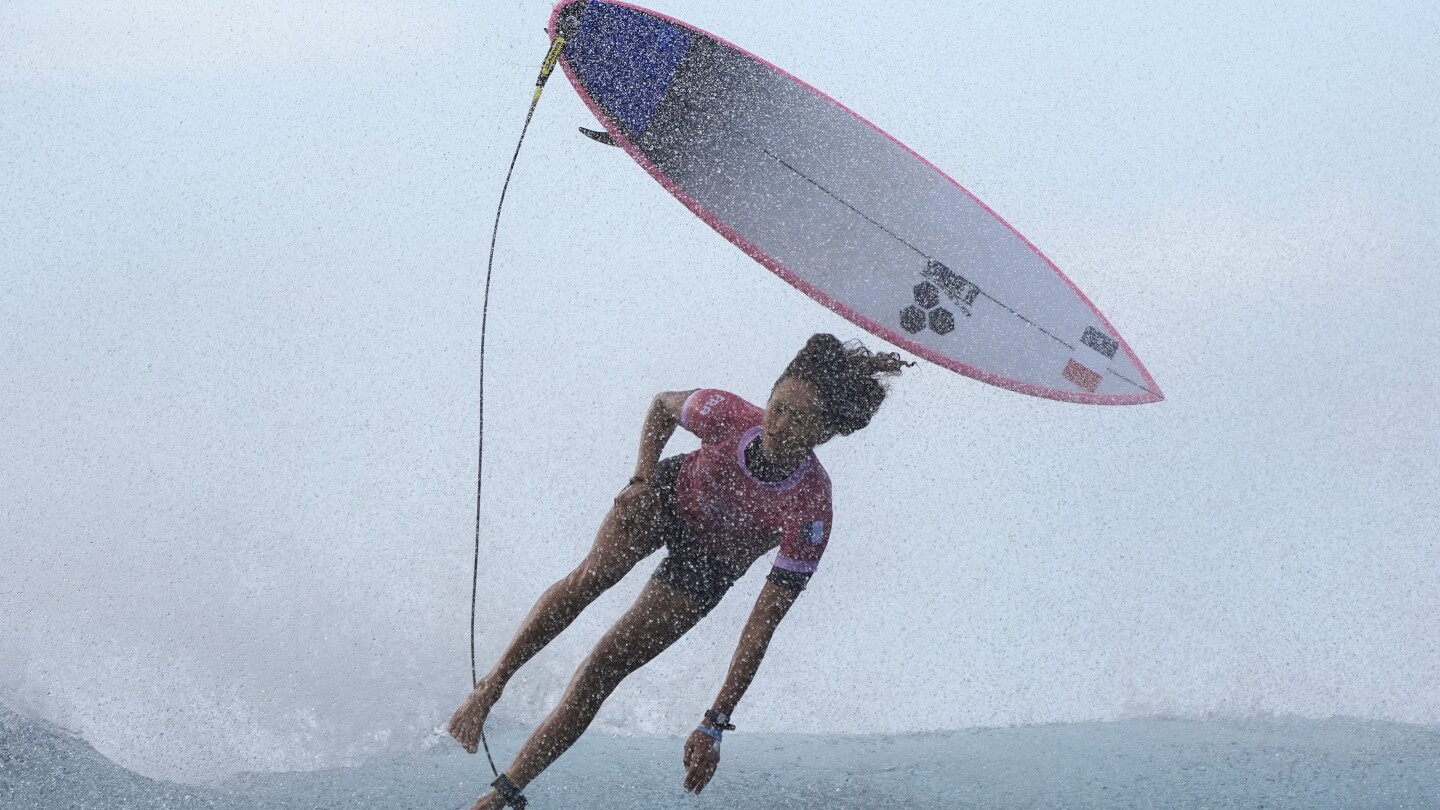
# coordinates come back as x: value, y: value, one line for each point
x: 599, y: 136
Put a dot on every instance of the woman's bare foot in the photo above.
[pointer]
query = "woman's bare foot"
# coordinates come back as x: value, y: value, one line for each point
x: 467, y: 721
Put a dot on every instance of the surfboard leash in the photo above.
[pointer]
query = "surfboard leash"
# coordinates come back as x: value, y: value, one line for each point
x: 557, y: 46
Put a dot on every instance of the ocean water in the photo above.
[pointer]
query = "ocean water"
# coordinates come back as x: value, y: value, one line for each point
x: 1161, y: 763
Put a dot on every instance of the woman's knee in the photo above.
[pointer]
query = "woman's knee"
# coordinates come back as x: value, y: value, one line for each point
x: 601, y: 672
x: 597, y: 573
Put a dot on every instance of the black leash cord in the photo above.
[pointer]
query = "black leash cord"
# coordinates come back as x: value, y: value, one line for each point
x: 556, y: 47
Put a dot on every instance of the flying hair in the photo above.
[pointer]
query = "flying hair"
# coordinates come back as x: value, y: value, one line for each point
x: 848, y: 378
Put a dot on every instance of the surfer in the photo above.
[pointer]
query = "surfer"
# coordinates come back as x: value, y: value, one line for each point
x: 754, y: 484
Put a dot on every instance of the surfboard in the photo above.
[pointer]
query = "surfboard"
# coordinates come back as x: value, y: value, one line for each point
x: 839, y: 209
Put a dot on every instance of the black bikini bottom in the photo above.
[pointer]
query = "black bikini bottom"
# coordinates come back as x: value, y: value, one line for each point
x: 690, y: 565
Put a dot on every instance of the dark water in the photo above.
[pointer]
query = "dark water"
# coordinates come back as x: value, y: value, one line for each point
x: 1272, y: 763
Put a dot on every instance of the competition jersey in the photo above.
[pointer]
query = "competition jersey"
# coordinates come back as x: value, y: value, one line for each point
x: 743, y: 517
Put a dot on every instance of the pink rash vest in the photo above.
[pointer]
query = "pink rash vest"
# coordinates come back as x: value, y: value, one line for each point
x: 737, y: 514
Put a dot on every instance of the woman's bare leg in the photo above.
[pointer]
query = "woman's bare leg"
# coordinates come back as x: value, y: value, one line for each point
x: 659, y: 617
x: 629, y: 534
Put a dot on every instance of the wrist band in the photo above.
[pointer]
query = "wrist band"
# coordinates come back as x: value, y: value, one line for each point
x: 713, y: 732
x: 637, y: 479
x: 719, y: 720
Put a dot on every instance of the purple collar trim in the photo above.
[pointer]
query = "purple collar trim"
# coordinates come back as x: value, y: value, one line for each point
x: 775, y: 486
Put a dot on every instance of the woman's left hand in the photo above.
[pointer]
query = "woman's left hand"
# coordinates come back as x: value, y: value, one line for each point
x: 702, y: 757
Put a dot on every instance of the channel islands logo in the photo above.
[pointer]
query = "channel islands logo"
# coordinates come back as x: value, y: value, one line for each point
x: 926, y: 311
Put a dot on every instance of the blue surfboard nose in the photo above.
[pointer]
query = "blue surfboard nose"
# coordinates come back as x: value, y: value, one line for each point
x: 627, y: 59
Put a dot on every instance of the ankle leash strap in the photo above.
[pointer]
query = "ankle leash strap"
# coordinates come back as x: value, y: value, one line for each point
x: 509, y: 791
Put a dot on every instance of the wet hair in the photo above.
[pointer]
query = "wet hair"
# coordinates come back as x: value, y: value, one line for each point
x: 846, y: 375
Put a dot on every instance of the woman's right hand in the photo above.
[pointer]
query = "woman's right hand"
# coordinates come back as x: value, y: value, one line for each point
x: 702, y: 757
x: 637, y: 495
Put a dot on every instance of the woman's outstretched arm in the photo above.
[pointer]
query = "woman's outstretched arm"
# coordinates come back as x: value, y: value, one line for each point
x: 702, y: 750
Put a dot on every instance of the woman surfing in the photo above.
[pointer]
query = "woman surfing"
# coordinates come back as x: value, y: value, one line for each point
x: 753, y: 485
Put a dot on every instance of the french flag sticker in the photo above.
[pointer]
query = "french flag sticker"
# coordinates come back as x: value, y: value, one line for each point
x: 817, y: 532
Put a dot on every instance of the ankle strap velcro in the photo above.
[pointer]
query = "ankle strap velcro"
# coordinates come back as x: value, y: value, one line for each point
x: 509, y: 791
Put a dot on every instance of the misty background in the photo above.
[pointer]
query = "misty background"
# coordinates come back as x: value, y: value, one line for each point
x: 241, y: 255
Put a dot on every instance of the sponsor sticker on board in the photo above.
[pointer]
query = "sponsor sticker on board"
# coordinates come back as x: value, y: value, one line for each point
x: 1100, y: 342
x: 1082, y: 376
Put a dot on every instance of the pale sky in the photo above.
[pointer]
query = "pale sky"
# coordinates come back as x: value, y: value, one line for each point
x: 243, y: 245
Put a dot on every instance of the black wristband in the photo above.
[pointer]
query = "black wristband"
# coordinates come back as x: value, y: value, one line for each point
x: 718, y: 720
x: 638, y: 479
